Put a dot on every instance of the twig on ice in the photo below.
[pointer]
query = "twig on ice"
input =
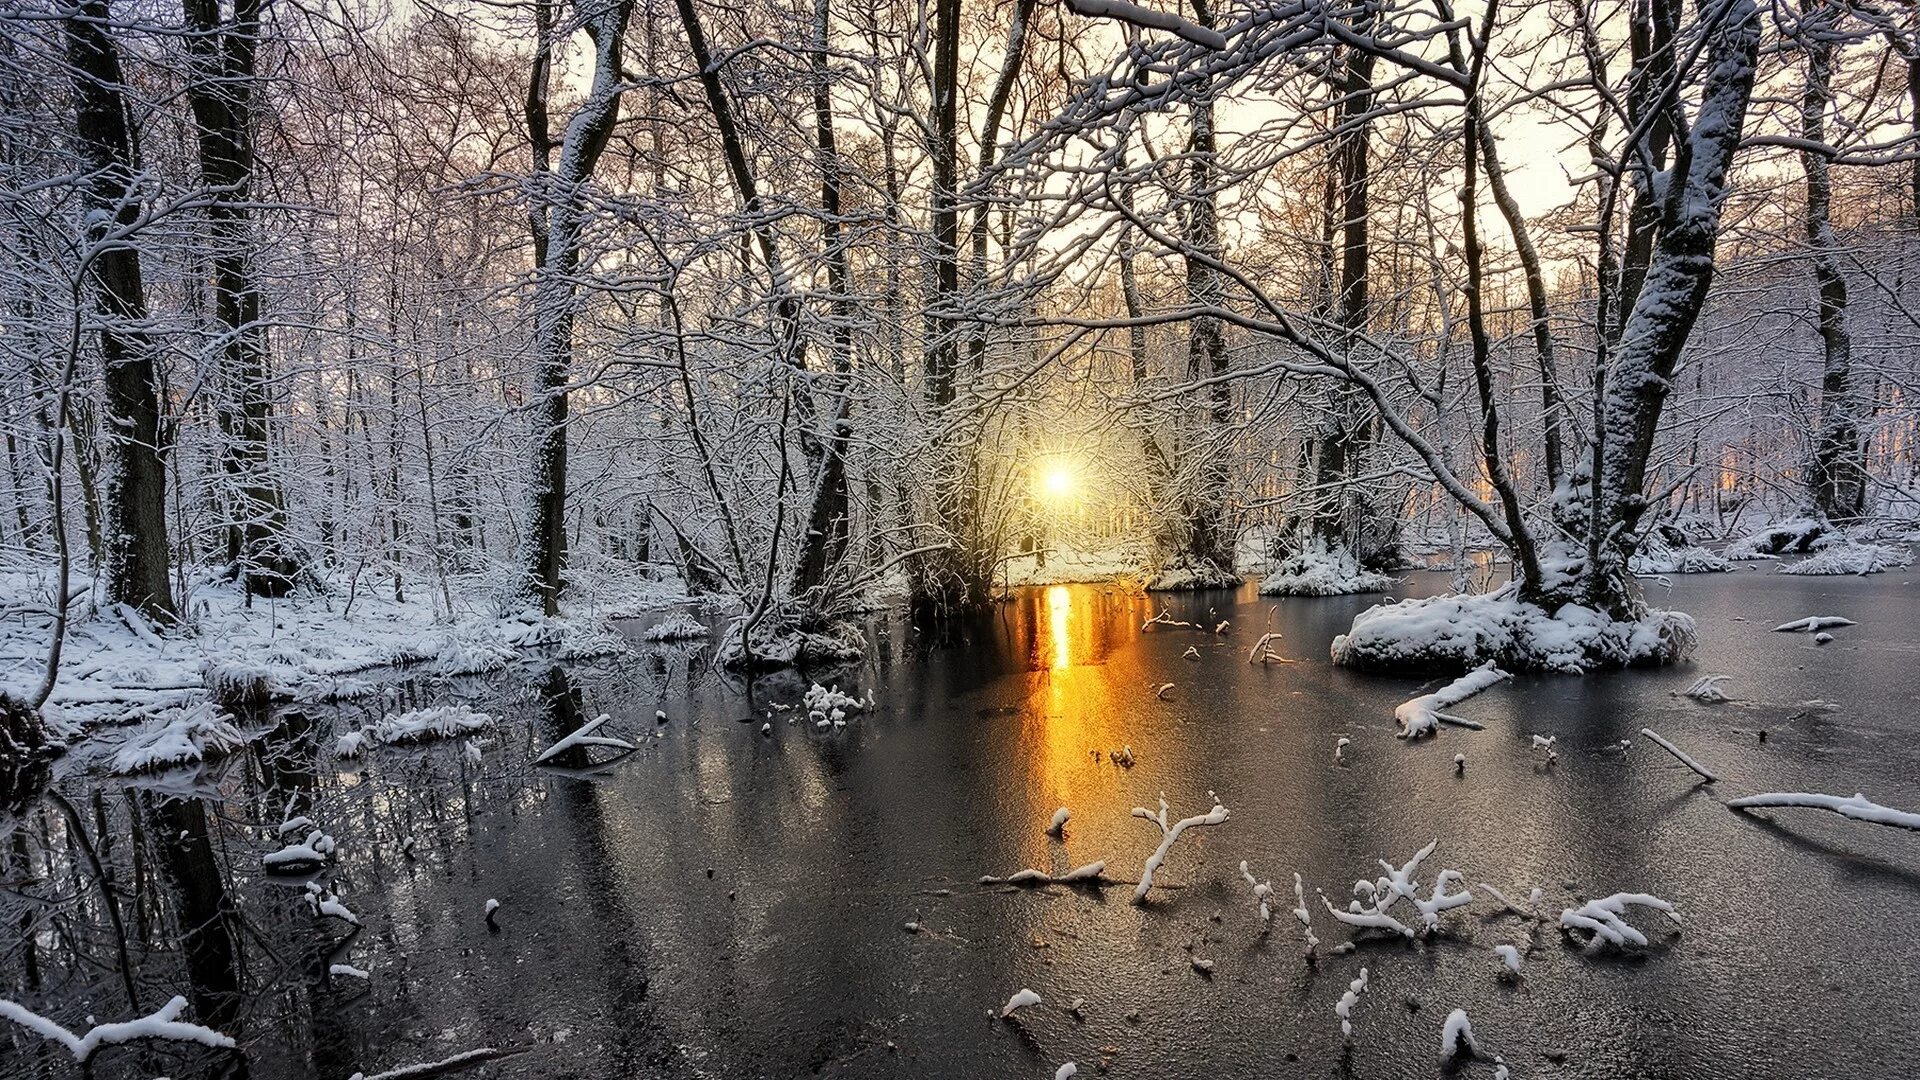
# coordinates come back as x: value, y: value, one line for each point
x: 1707, y: 688
x: 584, y: 736
x: 1605, y: 918
x: 1422, y: 715
x: 1262, y: 891
x: 1089, y: 873
x: 1344, y: 1007
x: 1059, y: 823
x: 1811, y: 623
x: 1456, y: 1037
x: 1680, y: 754
x: 445, y: 1065
x: 1168, y: 834
x: 1019, y: 1001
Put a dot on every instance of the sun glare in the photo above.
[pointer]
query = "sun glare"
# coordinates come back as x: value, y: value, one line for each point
x: 1058, y: 481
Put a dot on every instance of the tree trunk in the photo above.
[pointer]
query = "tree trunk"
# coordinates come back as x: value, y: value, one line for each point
x: 1838, y: 475
x: 221, y: 93
x: 556, y: 224
x: 136, y: 487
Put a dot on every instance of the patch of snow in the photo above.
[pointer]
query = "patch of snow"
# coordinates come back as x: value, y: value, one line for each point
x: 1850, y: 558
x: 1090, y: 872
x: 1798, y: 536
x: 419, y: 725
x: 1509, y: 956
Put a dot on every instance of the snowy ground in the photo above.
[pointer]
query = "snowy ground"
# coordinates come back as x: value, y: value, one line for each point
x: 308, y: 647
x: 733, y: 901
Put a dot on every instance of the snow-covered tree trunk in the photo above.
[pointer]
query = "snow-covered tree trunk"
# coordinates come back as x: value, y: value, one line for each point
x: 1666, y: 305
x: 557, y: 218
x: 1838, y: 473
x: 136, y: 482
x: 222, y: 95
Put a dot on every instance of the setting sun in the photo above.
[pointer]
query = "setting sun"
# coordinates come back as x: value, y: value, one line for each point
x: 1058, y: 480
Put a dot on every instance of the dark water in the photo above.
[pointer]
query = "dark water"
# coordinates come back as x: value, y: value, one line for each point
x: 727, y: 904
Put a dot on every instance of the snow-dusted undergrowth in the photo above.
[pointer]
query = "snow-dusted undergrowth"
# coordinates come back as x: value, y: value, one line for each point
x: 1319, y: 572
x: 678, y: 626
x: 180, y: 736
x: 1837, y: 559
x: 1797, y: 536
x: 1191, y: 577
x: 1659, y: 557
x: 1456, y: 633
x: 420, y: 725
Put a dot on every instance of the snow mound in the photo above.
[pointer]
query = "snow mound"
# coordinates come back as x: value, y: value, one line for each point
x: 420, y: 725
x: 1458, y: 633
x: 1799, y: 536
x: 1838, y: 559
x: 679, y: 626
x: 1319, y: 572
x: 187, y: 733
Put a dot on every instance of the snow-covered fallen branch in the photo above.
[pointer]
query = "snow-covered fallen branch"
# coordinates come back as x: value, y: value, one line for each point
x: 1707, y: 689
x: 583, y: 736
x: 1373, y: 900
x: 161, y: 1024
x: 1456, y: 1037
x: 1606, y: 917
x: 1679, y: 753
x: 1079, y: 874
x: 1168, y: 834
x: 1019, y: 1001
x: 1811, y: 623
x: 1344, y: 1007
x: 1422, y: 715
x: 1058, y: 825
x: 444, y: 1065
x: 299, y: 858
x: 1859, y: 807
x: 1262, y: 892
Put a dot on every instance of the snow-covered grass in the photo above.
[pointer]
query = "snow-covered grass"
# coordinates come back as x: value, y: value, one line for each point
x: 1859, y: 807
x: 1457, y: 633
x: 162, y: 1024
x: 1319, y: 572
x: 1659, y: 557
x: 1850, y: 558
x: 419, y: 725
x: 1422, y: 715
x: 179, y: 736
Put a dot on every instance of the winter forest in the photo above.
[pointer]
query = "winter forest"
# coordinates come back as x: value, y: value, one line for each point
x: 668, y: 538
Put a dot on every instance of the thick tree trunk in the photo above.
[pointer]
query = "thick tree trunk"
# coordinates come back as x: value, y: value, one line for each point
x: 1667, y: 303
x: 556, y: 225
x: 136, y: 483
x: 221, y: 93
x: 1838, y: 473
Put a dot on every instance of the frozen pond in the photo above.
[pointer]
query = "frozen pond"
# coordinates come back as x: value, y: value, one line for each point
x: 723, y: 903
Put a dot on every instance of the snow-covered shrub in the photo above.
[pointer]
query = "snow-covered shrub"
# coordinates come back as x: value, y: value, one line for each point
x: 473, y: 650
x: 301, y: 856
x: 1319, y: 572
x: 1838, y: 559
x: 234, y: 683
x: 1798, y: 536
x: 420, y: 725
x: 1657, y: 556
x: 1456, y: 633
x: 792, y: 643
x: 678, y: 626
x: 184, y: 734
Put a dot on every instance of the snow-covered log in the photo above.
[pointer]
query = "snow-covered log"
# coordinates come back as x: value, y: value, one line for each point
x: 1606, y: 917
x: 581, y: 737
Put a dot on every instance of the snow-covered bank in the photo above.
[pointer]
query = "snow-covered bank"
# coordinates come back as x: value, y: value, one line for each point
x: 304, y: 647
x: 1319, y: 572
x: 1455, y: 633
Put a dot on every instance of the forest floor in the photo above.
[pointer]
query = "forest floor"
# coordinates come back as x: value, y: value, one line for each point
x: 310, y: 646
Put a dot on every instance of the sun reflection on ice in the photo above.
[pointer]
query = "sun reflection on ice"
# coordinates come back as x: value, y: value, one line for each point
x: 1059, y: 614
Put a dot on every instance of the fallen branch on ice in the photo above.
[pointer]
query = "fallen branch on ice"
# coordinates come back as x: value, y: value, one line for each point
x: 1456, y: 1037
x: 161, y: 1024
x: 1679, y: 753
x: 1089, y: 873
x: 1707, y: 688
x: 1606, y: 917
x: 1422, y: 715
x: 584, y: 736
x: 444, y: 1065
x: 1811, y: 623
x: 1859, y: 807
x: 1168, y: 834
